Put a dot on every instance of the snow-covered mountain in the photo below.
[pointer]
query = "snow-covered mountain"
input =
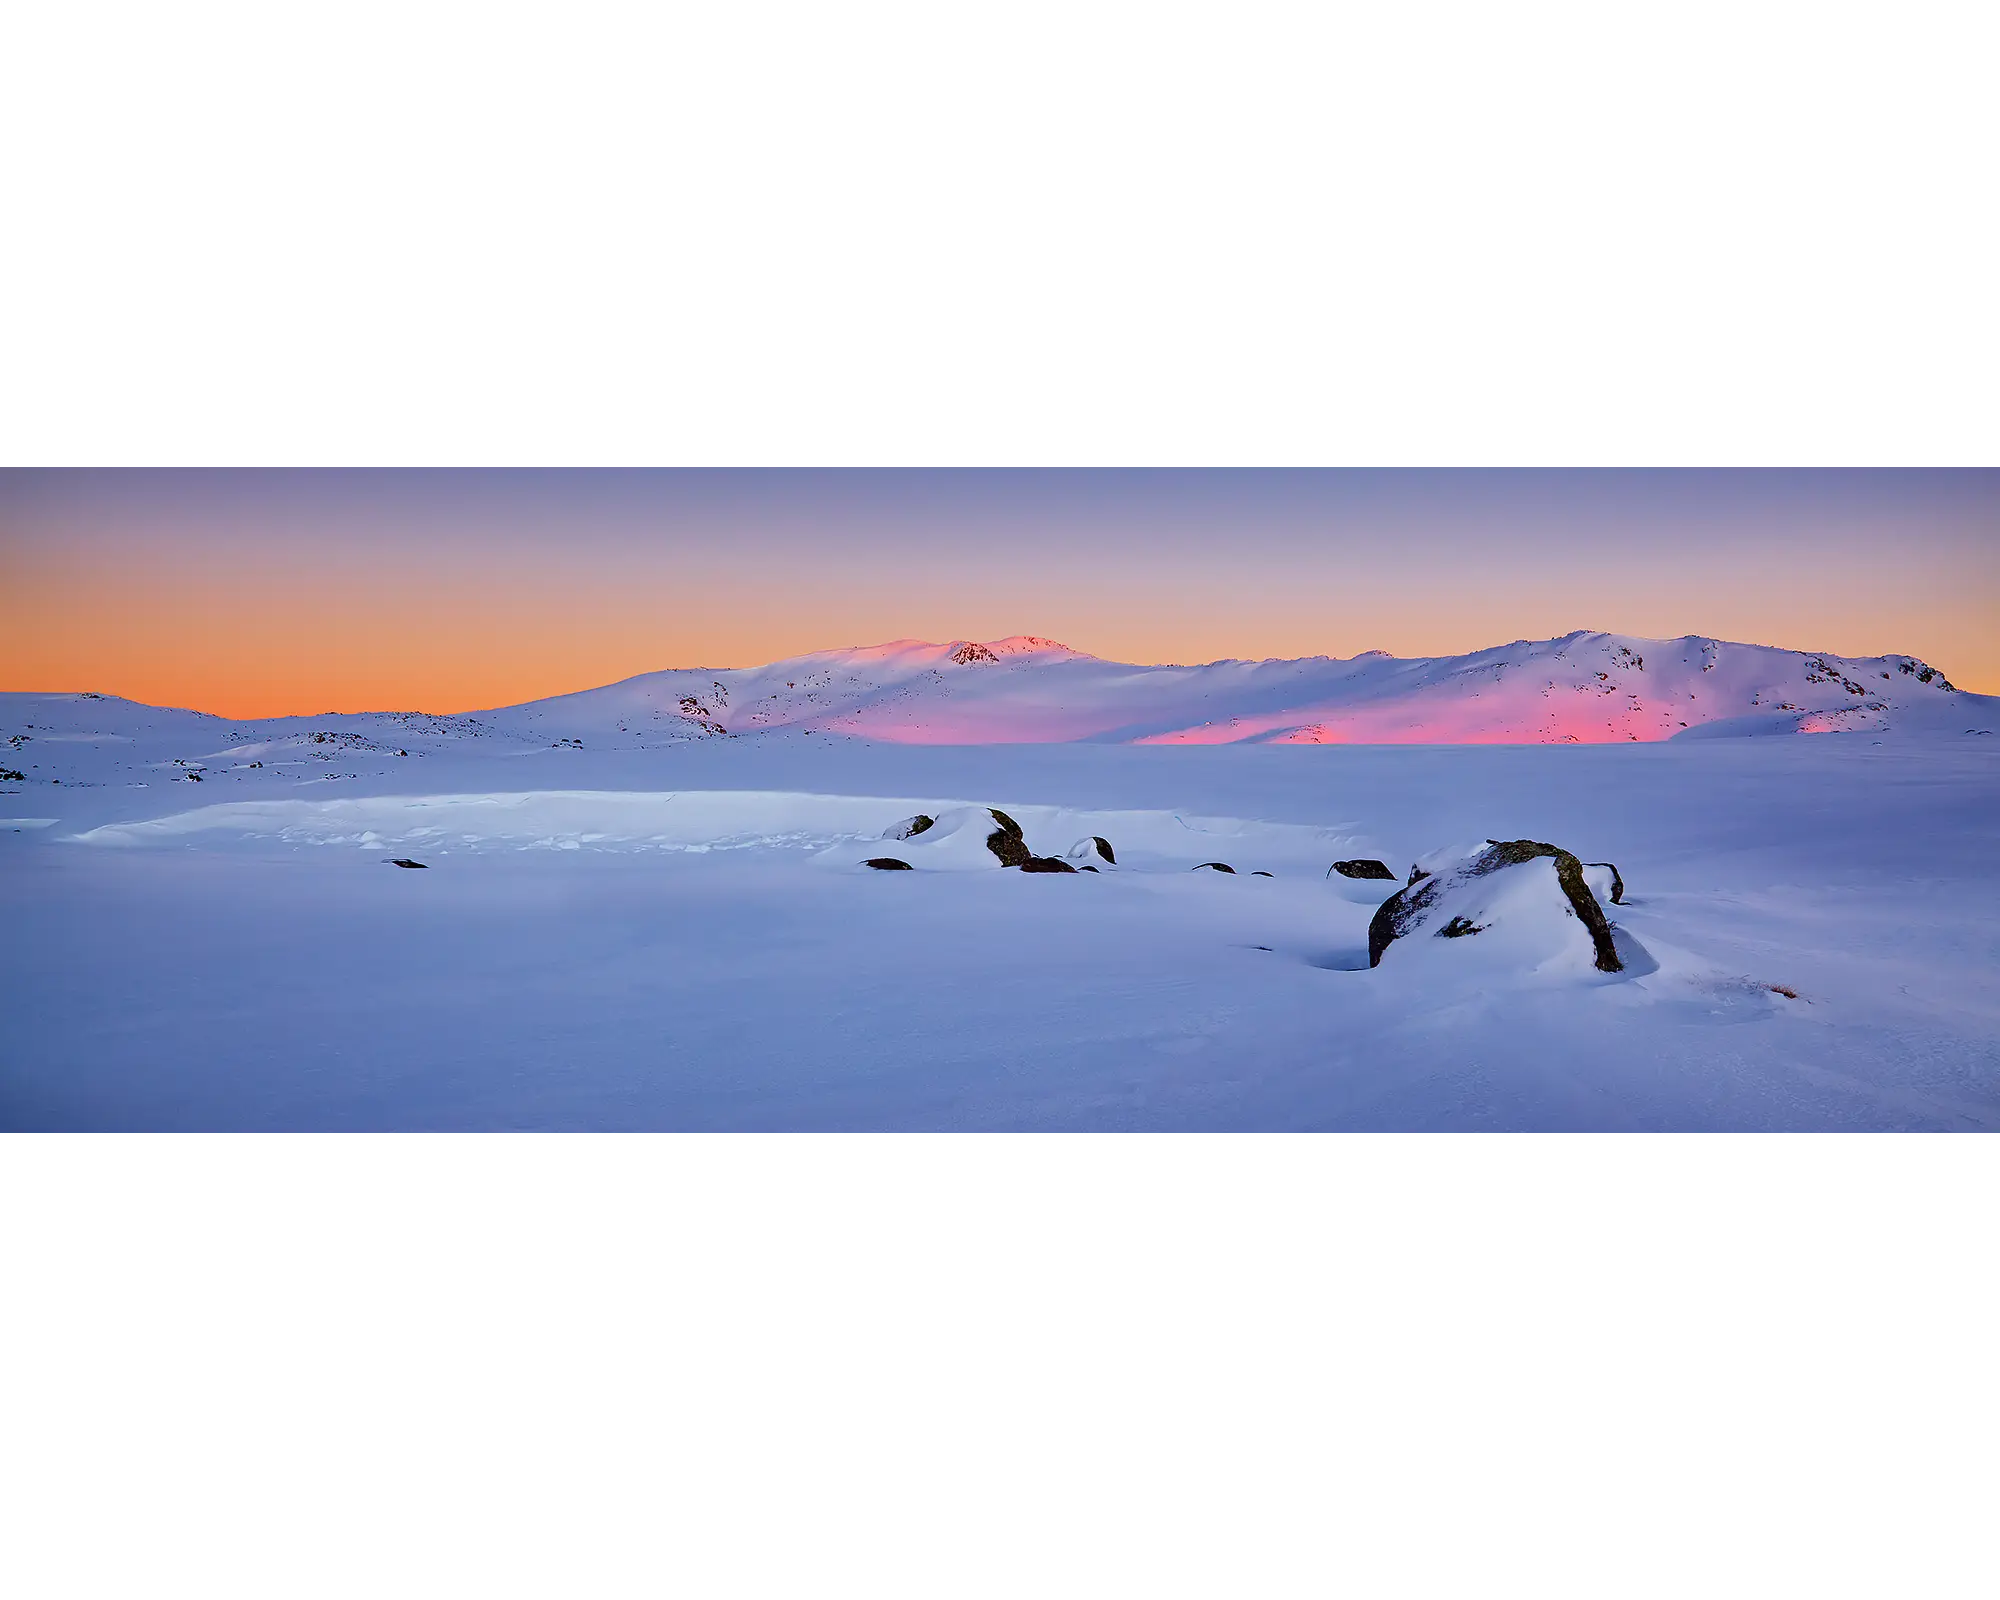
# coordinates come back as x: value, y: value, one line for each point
x: 1582, y: 688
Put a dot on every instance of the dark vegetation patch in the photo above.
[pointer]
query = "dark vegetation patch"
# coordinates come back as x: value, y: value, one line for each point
x: 1215, y: 866
x: 1362, y: 869
x: 888, y: 864
x: 405, y: 861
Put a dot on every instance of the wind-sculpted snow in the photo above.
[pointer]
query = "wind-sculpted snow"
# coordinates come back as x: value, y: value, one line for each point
x: 650, y: 905
x: 689, y: 937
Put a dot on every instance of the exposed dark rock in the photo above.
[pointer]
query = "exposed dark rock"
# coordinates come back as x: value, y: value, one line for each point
x: 1617, y: 882
x: 909, y: 827
x: 1215, y: 866
x: 1006, y: 842
x: 1361, y: 869
x: 966, y: 654
x: 1459, y: 928
x: 888, y: 864
x: 1104, y: 848
x: 1260, y: 875
x: 1417, y: 875
x: 405, y: 861
x: 1047, y: 864
x: 1086, y: 867
x: 1403, y: 911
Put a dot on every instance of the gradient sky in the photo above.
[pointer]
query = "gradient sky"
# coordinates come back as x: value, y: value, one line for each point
x: 260, y: 593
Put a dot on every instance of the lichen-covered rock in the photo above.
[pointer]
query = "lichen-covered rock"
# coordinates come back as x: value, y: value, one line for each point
x: 888, y: 864
x: 1005, y: 840
x: 1468, y: 899
x: 1361, y: 869
x: 1215, y: 866
x: 909, y: 827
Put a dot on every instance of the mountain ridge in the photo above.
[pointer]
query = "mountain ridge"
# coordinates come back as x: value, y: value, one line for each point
x: 1582, y: 687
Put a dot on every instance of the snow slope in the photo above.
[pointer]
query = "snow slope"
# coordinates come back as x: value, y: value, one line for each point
x: 630, y: 920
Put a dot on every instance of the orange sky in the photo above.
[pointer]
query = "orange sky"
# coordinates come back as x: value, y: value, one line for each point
x: 253, y: 595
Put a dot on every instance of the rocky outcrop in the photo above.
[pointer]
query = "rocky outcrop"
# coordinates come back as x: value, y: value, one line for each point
x: 1617, y: 882
x: 1362, y: 869
x: 1435, y: 899
x: 1215, y: 866
x: 1047, y: 864
x: 888, y: 864
x: 909, y: 827
x: 1005, y: 840
x: 1092, y: 849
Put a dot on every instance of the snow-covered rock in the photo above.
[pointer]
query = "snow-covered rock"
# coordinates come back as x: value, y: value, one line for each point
x: 1526, y: 902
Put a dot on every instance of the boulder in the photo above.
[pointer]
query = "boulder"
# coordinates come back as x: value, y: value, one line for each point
x: 888, y: 864
x: 1362, y: 869
x: 909, y: 827
x: 1047, y: 864
x: 1503, y: 884
x: 1005, y: 840
x: 1092, y: 849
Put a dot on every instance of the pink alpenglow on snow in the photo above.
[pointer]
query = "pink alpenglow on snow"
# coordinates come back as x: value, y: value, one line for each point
x: 1584, y: 688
